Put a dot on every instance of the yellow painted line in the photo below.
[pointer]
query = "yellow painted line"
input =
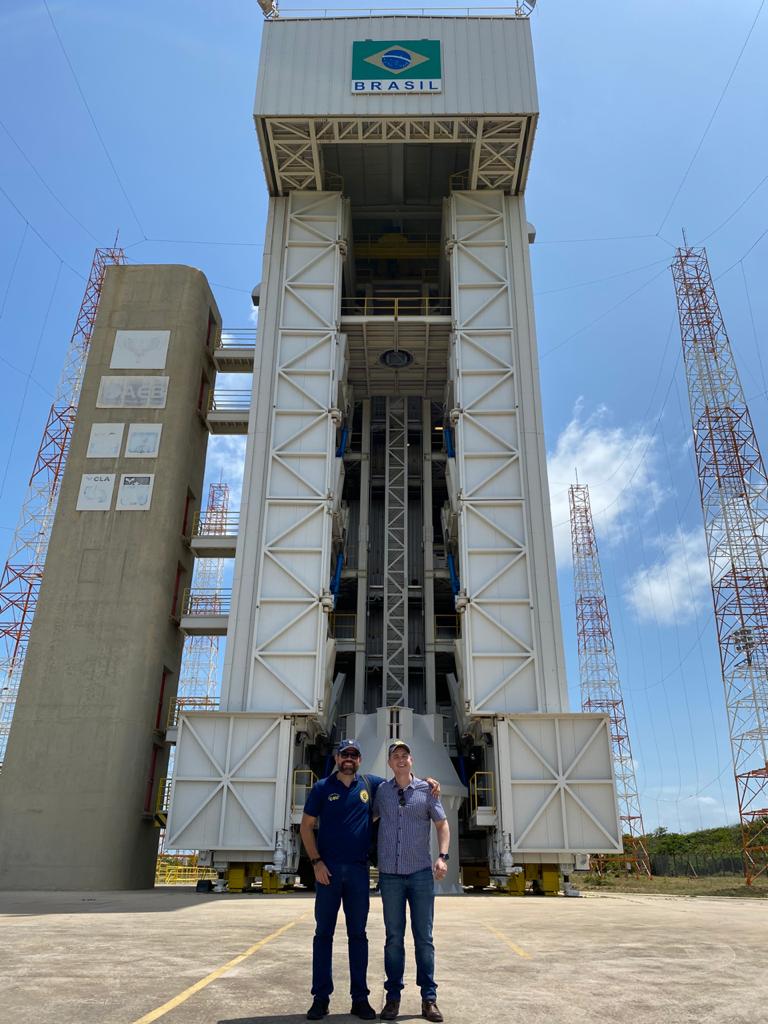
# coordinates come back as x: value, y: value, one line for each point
x: 499, y: 935
x: 182, y: 997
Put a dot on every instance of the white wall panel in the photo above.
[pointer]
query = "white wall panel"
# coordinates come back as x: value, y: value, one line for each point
x: 230, y: 787
x: 512, y: 648
x: 290, y: 627
x: 306, y: 67
x: 556, y: 789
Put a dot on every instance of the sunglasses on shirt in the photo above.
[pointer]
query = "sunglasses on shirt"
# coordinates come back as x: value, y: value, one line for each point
x: 401, y: 797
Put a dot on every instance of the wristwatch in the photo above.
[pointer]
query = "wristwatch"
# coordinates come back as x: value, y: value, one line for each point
x: 315, y: 860
x: 443, y: 856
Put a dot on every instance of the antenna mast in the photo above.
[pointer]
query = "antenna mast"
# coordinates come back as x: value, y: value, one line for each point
x: 599, y: 672
x: 734, y: 499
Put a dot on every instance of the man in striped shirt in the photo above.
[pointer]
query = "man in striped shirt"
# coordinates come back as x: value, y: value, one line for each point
x: 406, y: 809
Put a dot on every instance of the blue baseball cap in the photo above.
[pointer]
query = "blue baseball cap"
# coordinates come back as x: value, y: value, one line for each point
x: 348, y: 744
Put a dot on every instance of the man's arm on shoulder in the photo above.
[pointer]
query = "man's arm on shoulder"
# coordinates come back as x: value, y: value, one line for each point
x: 434, y: 787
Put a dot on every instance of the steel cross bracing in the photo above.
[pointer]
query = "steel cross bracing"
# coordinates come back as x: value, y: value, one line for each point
x: 599, y: 672
x: 22, y: 575
x: 498, y: 157
x: 734, y: 498
x: 395, y: 661
x: 230, y: 790
x: 498, y: 632
x: 300, y: 489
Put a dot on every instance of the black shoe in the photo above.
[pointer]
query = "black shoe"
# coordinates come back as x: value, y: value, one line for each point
x: 362, y: 1008
x: 391, y: 1009
x: 318, y: 1010
x: 429, y: 1011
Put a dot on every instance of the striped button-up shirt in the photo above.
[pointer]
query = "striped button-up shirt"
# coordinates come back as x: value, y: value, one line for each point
x: 405, y: 824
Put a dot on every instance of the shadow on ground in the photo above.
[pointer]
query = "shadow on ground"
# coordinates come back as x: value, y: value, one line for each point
x: 294, y: 1018
x: 160, y: 900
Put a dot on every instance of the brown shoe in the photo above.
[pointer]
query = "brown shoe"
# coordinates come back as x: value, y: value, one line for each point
x: 391, y: 1009
x: 429, y: 1011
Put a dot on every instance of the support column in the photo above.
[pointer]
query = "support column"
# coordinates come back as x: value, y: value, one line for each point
x: 512, y: 643
x: 361, y: 619
x: 231, y: 790
x: 429, y: 557
x: 395, y: 654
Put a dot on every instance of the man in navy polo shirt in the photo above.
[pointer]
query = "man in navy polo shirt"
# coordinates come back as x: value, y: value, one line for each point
x: 343, y: 803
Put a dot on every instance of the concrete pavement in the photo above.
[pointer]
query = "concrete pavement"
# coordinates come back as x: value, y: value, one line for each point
x: 181, y: 958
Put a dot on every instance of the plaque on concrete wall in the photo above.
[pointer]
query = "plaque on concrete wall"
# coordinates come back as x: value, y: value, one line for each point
x: 135, y: 493
x: 143, y: 440
x: 140, y: 350
x: 95, y: 492
x: 132, y: 393
x: 105, y: 441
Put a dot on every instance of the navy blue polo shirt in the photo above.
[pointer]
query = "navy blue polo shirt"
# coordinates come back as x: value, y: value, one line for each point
x: 345, y: 812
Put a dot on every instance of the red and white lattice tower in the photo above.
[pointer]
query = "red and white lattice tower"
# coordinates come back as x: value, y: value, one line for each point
x: 734, y: 498
x: 199, y: 665
x: 20, y: 580
x: 599, y: 672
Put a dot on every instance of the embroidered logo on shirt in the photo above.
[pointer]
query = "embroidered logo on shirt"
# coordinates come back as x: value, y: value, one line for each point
x: 333, y: 796
x: 364, y: 795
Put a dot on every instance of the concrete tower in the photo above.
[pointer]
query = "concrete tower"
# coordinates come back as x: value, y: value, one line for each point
x: 395, y: 570
x: 86, y: 748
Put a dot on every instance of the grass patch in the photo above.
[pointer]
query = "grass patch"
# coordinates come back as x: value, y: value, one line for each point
x: 713, y: 885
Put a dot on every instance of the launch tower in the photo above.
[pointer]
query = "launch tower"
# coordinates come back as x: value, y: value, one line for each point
x: 395, y: 570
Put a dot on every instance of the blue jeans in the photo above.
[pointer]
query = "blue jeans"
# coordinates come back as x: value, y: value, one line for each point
x: 349, y: 886
x: 418, y: 891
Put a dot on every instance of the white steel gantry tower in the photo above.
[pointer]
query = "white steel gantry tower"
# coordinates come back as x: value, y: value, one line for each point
x: 734, y: 499
x: 395, y: 312
x: 23, y: 571
x: 599, y: 672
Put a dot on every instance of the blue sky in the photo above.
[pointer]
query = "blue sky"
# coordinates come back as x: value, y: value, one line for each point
x: 632, y: 146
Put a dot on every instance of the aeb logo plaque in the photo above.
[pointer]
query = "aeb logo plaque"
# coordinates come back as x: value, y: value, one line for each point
x: 396, y: 67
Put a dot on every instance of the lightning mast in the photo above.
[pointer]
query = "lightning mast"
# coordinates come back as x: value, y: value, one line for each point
x: 23, y: 572
x: 599, y: 672
x: 734, y: 499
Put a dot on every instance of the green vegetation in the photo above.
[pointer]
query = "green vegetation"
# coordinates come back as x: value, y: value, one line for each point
x: 703, y: 863
x: 715, y: 885
x: 709, y: 842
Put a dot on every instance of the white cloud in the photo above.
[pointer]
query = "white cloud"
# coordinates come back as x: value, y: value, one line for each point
x: 676, y: 586
x: 617, y: 463
x: 225, y: 463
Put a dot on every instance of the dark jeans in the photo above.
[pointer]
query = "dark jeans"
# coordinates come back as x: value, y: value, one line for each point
x: 349, y: 886
x: 418, y: 891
